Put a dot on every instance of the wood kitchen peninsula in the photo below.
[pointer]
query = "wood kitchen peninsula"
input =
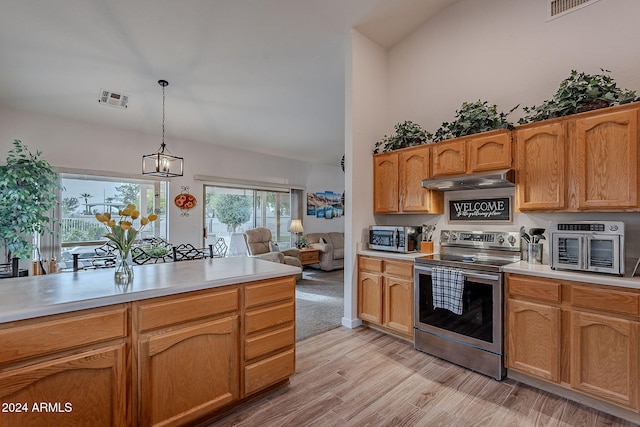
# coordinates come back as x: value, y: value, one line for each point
x: 182, y: 343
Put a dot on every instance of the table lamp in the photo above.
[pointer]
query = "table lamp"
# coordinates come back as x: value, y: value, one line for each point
x: 296, y: 227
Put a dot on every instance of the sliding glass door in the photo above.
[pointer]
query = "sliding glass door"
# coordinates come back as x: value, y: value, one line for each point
x: 229, y: 212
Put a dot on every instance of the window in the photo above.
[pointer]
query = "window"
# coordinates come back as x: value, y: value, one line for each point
x: 229, y: 212
x: 83, y: 196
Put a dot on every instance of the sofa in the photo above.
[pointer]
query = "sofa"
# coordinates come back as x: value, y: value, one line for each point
x: 260, y: 245
x: 331, y: 246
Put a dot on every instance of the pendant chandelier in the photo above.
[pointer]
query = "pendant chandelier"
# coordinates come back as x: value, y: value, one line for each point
x: 161, y: 163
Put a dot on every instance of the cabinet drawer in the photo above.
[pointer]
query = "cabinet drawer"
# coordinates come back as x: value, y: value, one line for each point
x: 370, y: 264
x: 309, y: 257
x: 605, y: 299
x: 269, y: 371
x: 268, y: 317
x: 172, y: 310
x: 269, y: 291
x: 22, y: 342
x: 263, y: 344
x: 399, y: 268
x: 535, y: 288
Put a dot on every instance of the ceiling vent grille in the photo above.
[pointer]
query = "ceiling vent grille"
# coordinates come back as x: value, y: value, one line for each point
x: 558, y: 8
x: 113, y: 99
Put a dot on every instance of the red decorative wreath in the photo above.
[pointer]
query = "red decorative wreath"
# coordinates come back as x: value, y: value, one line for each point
x: 185, y: 201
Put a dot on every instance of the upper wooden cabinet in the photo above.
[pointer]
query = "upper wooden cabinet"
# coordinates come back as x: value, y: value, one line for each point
x: 582, y: 162
x: 386, y: 183
x: 397, y: 182
x: 542, y: 173
x: 606, y: 160
x: 472, y: 154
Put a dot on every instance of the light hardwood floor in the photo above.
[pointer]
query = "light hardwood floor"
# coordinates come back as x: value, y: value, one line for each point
x: 361, y: 377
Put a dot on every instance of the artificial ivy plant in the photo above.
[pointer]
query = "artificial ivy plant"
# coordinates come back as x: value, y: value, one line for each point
x: 407, y: 134
x: 28, y: 193
x: 578, y: 93
x: 471, y: 118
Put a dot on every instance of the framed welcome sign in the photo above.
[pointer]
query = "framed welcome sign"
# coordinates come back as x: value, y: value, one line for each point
x: 485, y: 210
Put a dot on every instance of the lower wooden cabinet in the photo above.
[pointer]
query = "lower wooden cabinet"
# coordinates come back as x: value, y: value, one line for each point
x: 582, y: 337
x: 269, y: 334
x: 55, y: 392
x: 385, y: 293
x: 188, y: 372
x: 540, y: 356
x: 604, y: 357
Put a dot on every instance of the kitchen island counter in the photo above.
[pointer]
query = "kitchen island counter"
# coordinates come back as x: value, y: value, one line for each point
x: 30, y: 297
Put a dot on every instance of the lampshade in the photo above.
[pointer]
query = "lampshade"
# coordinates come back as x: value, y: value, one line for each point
x: 161, y: 163
x: 296, y: 226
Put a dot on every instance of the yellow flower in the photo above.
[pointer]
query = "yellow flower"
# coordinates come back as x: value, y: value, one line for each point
x: 153, y: 217
x: 121, y: 231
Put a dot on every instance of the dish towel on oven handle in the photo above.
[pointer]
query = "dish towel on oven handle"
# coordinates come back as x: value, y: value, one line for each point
x: 447, y: 285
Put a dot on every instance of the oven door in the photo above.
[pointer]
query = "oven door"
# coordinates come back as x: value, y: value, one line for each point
x: 479, y: 325
x: 603, y: 254
x: 567, y: 251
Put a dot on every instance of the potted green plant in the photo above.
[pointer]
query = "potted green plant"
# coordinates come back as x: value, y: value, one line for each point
x: 578, y: 93
x: 472, y: 118
x: 28, y: 193
x: 407, y: 134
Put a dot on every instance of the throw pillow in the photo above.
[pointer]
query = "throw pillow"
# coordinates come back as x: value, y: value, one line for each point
x: 273, y: 247
x: 323, y: 241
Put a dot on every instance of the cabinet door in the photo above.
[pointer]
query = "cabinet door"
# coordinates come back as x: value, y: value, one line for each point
x: 607, y: 161
x: 188, y: 372
x: 56, y: 391
x: 604, y: 357
x: 449, y: 158
x: 385, y: 183
x: 414, y: 168
x: 370, y: 294
x: 398, y: 305
x: 534, y: 339
x: 490, y: 152
x: 542, y: 167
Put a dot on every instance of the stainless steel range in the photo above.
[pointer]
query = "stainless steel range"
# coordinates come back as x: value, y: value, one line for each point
x: 459, y: 298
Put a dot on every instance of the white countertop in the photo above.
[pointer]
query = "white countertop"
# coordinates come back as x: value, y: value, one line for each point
x: 541, y: 270
x: 29, y: 297
x: 395, y: 255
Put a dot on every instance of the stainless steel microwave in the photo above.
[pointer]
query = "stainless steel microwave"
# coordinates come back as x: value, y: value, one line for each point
x: 394, y: 238
x: 594, y: 246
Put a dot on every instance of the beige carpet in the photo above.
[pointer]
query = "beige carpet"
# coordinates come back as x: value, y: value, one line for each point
x: 319, y: 302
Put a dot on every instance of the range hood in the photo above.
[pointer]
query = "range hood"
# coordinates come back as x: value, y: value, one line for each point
x: 492, y: 179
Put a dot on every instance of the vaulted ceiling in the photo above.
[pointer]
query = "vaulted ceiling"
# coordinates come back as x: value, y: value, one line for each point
x: 260, y: 75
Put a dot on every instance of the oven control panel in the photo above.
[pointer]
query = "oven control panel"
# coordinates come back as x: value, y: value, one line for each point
x: 506, y: 240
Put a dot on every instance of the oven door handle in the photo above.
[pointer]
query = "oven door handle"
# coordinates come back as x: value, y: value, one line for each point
x: 492, y: 277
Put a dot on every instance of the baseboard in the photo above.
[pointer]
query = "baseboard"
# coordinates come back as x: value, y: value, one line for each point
x: 351, y: 323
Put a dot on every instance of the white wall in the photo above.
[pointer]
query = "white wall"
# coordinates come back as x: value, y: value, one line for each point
x: 506, y: 53
x: 366, y: 106
x: 73, y: 144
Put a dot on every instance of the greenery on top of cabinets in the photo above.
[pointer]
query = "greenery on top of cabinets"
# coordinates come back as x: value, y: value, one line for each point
x: 407, y: 134
x: 28, y: 193
x: 578, y: 93
x: 472, y: 118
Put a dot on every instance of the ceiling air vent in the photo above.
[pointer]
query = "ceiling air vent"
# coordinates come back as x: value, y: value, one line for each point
x: 557, y: 8
x: 113, y: 99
